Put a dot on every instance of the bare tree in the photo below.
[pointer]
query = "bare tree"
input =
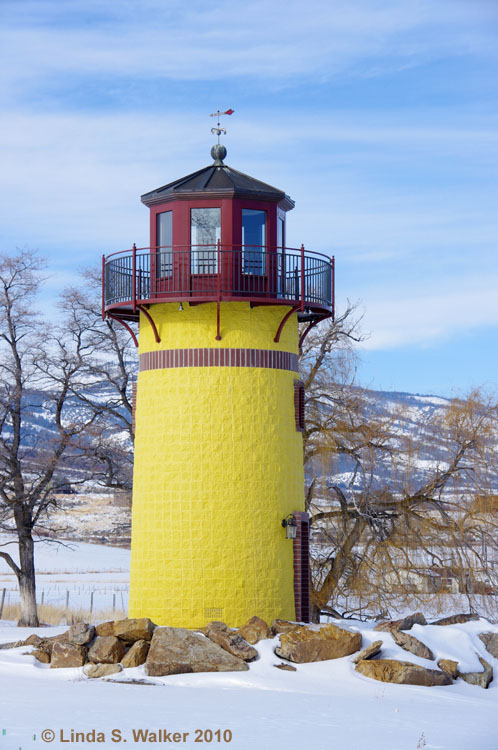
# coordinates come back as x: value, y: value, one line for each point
x: 37, y: 369
x: 107, y: 368
x: 381, y: 523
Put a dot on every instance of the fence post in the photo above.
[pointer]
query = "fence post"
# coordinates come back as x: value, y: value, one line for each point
x: 67, y: 599
x: 2, y: 603
x: 114, y: 602
x: 42, y: 597
x: 91, y: 602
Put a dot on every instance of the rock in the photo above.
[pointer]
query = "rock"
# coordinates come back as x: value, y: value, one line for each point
x: 232, y: 642
x: 456, y: 619
x: 283, y: 626
x: 368, y: 652
x: 106, y: 649
x: 178, y: 651
x: 80, y: 634
x: 105, y: 628
x: 42, y: 644
x: 449, y: 667
x: 213, y: 624
x: 33, y: 640
x: 101, y: 670
x: 12, y: 644
x: 41, y: 656
x: 140, y: 629
x: 285, y: 667
x: 406, y: 623
x: 136, y: 655
x: 482, y: 679
x: 490, y: 640
x: 255, y: 630
x: 329, y: 642
x: 402, y: 672
x: 412, y: 644
x: 67, y: 655
x: 131, y: 681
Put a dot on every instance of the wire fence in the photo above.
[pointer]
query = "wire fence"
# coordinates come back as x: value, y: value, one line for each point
x: 91, y: 599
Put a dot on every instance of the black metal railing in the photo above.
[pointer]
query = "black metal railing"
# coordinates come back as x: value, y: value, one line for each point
x: 217, y: 272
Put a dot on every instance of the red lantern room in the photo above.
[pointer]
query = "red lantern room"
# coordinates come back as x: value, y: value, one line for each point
x: 218, y: 235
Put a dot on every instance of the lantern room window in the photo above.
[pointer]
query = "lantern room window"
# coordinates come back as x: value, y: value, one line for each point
x: 205, y: 232
x: 164, y: 243
x: 253, y: 241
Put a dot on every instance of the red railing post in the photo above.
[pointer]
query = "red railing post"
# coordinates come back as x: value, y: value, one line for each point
x: 219, y: 270
x: 302, y: 278
x: 103, y: 287
x: 333, y: 287
x: 134, y: 277
x: 218, y: 334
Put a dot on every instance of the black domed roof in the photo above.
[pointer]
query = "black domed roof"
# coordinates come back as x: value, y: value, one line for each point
x: 218, y: 181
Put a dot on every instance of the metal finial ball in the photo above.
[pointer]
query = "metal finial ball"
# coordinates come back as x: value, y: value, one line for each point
x: 218, y: 152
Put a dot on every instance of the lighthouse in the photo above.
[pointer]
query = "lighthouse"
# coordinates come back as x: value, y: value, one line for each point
x: 219, y: 529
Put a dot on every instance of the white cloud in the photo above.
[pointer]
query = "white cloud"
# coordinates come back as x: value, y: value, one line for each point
x: 421, y: 315
x: 200, y: 41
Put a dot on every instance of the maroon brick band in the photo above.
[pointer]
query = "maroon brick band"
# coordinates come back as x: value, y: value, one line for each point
x: 217, y: 357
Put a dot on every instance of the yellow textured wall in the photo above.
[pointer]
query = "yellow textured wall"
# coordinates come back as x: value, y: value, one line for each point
x: 218, y: 464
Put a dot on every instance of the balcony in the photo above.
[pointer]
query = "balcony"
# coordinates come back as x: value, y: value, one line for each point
x: 140, y: 277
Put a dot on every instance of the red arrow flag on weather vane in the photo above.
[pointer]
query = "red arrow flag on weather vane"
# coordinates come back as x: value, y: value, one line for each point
x: 218, y: 130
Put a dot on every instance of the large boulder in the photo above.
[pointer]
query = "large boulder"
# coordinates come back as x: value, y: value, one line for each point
x: 230, y: 641
x: 105, y: 628
x: 490, y: 640
x: 402, y: 672
x: 406, y: 623
x: 66, y: 655
x: 136, y: 655
x: 283, y: 626
x: 101, y: 670
x: 482, y: 679
x: 329, y: 642
x: 456, y: 619
x: 368, y: 652
x: 106, y: 649
x: 178, y: 651
x: 255, y: 630
x: 131, y: 630
x: 412, y: 644
x: 80, y: 634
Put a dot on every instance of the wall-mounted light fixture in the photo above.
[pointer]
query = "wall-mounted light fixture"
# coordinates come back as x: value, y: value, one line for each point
x: 290, y: 526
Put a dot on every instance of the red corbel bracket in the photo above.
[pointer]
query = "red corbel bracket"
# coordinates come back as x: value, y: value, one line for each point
x: 151, y: 321
x: 311, y: 325
x: 284, y: 321
x: 132, y: 333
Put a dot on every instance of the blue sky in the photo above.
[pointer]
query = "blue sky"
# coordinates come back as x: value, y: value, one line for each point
x: 378, y: 117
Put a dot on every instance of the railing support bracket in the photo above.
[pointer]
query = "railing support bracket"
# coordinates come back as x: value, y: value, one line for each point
x: 151, y: 321
x: 130, y: 331
x: 284, y: 321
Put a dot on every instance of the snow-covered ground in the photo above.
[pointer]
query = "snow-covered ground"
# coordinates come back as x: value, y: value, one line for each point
x: 322, y: 705
x: 325, y: 705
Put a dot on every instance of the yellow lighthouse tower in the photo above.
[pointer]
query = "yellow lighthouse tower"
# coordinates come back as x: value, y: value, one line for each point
x: 218, y: 523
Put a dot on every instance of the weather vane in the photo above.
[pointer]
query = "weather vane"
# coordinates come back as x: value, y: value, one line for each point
x: 219, y: 130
